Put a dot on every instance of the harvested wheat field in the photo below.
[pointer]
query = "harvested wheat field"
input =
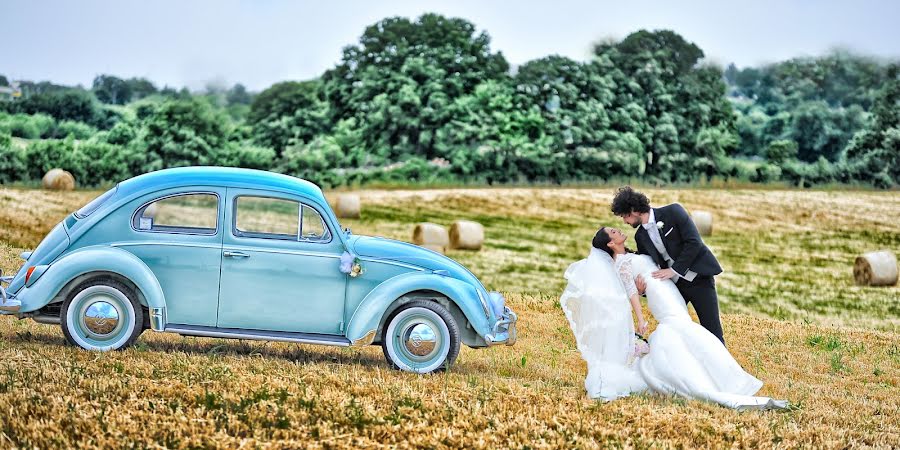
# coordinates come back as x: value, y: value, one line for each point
x: 791, y: 313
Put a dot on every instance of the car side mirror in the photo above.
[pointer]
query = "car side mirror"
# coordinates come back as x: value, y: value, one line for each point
x: 347, y: 231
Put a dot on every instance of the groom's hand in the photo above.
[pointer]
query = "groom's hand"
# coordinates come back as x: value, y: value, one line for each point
x: 664, y: 274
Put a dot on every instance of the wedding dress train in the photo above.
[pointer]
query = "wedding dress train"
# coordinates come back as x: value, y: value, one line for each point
x: 685, y: 359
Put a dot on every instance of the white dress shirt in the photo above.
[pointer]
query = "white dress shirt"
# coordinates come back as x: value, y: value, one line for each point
x: 655, y: 237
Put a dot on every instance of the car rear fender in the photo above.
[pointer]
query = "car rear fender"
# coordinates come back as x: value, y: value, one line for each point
x: 96, y: 259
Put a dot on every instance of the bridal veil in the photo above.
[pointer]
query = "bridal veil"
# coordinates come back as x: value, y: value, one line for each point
x: 599, y: 313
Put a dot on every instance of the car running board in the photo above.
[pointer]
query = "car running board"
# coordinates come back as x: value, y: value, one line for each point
x: 237, y: 333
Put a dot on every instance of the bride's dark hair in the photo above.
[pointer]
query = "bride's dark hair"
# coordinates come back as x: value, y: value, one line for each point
x: 600, y: 241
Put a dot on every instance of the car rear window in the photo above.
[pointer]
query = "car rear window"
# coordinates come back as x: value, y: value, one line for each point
x: 95, y: 204
x: 189, y: 213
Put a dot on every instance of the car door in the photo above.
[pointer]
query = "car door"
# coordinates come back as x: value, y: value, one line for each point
x: 280, y: 266
x: 178, y: 234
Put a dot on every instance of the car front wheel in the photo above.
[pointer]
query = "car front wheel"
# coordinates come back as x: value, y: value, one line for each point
x: 421, y: 337
x: 102, y: 315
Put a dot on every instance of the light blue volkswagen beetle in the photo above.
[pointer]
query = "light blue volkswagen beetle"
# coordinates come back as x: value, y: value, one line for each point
x: 245, y: 254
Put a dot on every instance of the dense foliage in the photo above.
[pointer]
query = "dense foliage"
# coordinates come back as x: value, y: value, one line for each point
x: 428, y: 100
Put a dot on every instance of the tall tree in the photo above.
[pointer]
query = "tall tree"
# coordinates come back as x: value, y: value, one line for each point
x: 238, y: 95
x: 288, y: 113
x: 140, y: 88
x: 111, y: 89
x: 401, y: 76
x: 184, y: 133
x: 574, y: 99
x: 667, y: 99
x: 64, y: 104
x: 874, y: 153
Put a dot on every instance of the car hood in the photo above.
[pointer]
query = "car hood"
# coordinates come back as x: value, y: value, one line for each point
x: 391, y: 250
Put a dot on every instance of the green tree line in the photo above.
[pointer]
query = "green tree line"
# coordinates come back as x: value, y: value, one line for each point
x: 429, y: 100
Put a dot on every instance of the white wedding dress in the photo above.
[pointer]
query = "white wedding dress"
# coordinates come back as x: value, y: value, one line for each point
x: 600, y: 317
x: 684, y: 359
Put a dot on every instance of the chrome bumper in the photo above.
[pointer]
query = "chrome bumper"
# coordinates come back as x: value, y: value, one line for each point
x: 4, y: 297
x: 504, y: 331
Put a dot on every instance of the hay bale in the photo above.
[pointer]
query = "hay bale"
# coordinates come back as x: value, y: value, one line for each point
x: 876, y: 269
x: 431, y: 235
x: 703, y: 220
x: 466, y: 235
x: 151, y: 210
x: 435, y: 248
x: 58, y: 180
x: 347, y: 206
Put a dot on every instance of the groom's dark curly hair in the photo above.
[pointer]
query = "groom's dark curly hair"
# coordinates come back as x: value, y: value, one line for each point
x: 628, y: 200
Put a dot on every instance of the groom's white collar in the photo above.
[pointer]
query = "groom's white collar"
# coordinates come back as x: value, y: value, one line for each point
x: 651, y: 222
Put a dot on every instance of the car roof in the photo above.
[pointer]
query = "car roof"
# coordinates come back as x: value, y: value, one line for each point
x: 218, y: 176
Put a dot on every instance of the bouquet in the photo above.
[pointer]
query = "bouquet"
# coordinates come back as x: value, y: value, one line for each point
x: 351, y: 265
x: 356, y: 269
x: 641, y: 346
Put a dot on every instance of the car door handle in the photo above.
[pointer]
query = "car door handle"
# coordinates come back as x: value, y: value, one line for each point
x: 230, y: 254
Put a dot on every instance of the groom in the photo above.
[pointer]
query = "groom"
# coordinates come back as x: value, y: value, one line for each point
x: 669, y: 236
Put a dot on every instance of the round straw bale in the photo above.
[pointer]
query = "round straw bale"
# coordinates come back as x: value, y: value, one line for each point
x: 435, y: 248
x: 348, y: 206
x: 703, y: 221
x: 876, y: 269
x: 58, y: 180
x: 466, y: 235
x: 151, y: 210
x: 431, y: 234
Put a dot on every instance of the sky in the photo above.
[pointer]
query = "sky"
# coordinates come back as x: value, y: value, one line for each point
x: 257, y: 43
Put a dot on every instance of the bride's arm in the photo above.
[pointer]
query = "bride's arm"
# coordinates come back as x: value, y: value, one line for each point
x: 633, y: 296
x: 642, y: 326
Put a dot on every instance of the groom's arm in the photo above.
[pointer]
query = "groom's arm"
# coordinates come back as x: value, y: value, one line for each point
x: 690, y: 238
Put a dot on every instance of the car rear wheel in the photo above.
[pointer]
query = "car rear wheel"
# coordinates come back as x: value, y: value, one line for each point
x: 422, y: 337
x: 102, y: 315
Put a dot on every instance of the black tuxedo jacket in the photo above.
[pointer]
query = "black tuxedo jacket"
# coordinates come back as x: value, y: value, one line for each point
x: 682, y: 242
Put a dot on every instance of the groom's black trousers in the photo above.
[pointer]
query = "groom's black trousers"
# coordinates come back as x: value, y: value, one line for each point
x: 702, y: 294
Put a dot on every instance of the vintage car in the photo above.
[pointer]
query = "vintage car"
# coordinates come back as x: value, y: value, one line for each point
x: 246, y: 254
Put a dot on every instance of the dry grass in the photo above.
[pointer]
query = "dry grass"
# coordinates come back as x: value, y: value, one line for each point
x: 176, y: 392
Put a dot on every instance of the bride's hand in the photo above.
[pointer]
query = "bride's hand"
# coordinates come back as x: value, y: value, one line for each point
x: 643, y: 327
x: 640, y: 284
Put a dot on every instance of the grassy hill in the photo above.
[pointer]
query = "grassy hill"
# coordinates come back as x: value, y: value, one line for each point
x: 792, y: 317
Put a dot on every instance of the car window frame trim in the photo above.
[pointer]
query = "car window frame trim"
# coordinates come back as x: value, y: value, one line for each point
x: 179, y: 194
x: 273, y: 236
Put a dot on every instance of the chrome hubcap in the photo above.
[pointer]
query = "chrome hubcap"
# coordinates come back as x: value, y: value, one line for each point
x: 101, y: 318
x: 420, y: 339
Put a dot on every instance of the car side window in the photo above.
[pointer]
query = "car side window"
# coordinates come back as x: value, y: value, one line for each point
x: 275, y: 218
x: 195, y: 213
x: 263, y: 217
x: 313, y: 226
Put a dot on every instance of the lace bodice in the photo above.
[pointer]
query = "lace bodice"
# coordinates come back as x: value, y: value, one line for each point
x: 626, y: 274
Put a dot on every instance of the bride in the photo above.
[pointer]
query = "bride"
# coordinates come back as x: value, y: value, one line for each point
x: 684, y: 358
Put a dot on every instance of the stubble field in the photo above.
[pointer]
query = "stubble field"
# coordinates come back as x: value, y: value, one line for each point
x: 791, y: 313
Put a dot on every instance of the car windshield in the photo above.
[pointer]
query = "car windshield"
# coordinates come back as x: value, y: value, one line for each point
x: 95, y: 204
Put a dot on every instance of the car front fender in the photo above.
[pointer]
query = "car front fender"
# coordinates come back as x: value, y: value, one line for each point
x: 364, y: 323
x: 95, y: 259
